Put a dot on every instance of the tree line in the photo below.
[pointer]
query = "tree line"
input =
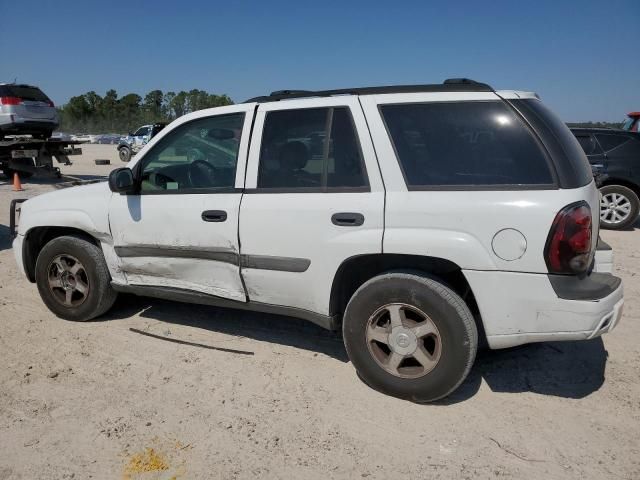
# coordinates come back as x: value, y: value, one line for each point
x: 91, y: 113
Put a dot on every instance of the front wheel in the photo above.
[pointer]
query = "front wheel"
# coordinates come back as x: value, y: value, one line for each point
x: 410, y: 336
x: 124, y: 153
x: 619, y: 207
x: 73, y: 279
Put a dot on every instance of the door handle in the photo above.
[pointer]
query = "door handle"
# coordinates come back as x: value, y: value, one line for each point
x: 347, y: 219
x: 214, y: 215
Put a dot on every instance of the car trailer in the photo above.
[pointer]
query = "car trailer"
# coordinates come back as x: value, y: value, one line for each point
x: 29, y: 156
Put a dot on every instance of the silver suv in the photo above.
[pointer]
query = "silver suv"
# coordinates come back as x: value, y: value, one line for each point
x: 26, y: 110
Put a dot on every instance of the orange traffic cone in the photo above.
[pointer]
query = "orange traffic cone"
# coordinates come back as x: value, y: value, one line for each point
x: 17, y: 186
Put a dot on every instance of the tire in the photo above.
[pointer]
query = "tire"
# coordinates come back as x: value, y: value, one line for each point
x: 416, y: 296
x: 619, y: 207
x: 124, y: 153
x: 94, y: 276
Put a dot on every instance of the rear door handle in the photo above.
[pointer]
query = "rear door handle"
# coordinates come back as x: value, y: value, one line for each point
x: 214, y: 215
x: 347, y: 219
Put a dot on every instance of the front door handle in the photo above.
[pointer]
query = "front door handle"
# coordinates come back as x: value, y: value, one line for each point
x: 214, y: 215
x: 347, y: 219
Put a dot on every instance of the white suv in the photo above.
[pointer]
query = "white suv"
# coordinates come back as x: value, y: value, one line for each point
x: 420, y: 220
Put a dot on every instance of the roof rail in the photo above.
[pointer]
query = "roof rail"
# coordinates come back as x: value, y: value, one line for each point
x: 449, y: 85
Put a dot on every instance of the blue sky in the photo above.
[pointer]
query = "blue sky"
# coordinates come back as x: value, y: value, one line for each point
x: 582, y: 57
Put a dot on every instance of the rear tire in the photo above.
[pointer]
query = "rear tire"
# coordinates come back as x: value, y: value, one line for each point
x: 73, y: 279
x: 382, y: 353
x: 619, y: 207
x: 124, y: 153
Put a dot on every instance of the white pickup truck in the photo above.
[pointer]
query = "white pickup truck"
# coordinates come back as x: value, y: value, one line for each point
x: 420, y: 220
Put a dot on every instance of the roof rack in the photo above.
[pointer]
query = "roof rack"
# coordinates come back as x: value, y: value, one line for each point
x: 449, y: 85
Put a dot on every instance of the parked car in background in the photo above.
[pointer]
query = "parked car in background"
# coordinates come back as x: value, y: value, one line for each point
x: 133, y: 143
x: 109, y: 138
x: 616, y: 155
x: 419, y: 220
x: 26, y: 110
x: 85, y: 137
x: 62, y: 136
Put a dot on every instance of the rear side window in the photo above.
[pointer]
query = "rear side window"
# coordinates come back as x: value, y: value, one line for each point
x: 313, y: 148
x: 609, y: 142
x: 464, y: 144
x: 24, y: 93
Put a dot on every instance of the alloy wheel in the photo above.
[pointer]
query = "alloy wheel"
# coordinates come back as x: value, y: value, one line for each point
x: 403, y: 340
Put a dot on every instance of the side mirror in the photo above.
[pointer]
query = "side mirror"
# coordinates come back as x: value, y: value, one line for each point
x: 121, y: 180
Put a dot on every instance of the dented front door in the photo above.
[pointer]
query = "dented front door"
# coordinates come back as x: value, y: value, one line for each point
x: 181, y: 231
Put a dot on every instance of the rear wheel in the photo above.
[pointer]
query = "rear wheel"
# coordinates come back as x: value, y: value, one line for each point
x: 124, y: 153
x: 73, y: 279
x: 410, y: 336
x: 619, y: 207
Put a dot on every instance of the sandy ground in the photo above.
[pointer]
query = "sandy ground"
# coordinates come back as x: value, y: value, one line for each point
x: 95, y: 400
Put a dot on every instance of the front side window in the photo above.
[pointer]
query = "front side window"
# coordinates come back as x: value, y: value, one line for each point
x: 464, y: 144
x: 198, y: 155
x: 313, y: 148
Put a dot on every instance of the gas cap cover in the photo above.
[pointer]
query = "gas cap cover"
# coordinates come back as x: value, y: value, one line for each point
x: 509, y: 244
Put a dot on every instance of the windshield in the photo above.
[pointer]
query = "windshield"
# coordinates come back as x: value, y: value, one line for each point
x: 628, y: 123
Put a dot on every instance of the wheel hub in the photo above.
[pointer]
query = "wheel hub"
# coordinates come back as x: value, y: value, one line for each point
x: 68, y: 281
x: 403, y: 341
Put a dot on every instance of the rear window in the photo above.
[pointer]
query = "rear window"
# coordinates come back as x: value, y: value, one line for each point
x: 464, y: 144
x: 24, y: 93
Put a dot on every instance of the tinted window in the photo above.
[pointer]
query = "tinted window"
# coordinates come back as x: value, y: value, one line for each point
x: 588, y: 144
x: 568, y: 157
x: 310, y: 148
x: 201, y: 154
x: 25, y: 93
x: 467, y: 143
x: 609, y: 142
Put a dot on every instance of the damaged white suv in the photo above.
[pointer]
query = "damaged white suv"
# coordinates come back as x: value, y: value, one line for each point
x: 420, y: 220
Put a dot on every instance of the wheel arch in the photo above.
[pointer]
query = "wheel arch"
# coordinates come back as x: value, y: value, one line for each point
x: 612, y: 181
x: 37, y: 237
x: 355, y: 271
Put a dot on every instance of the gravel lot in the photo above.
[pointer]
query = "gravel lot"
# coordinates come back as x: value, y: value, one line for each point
x: 96, y: 400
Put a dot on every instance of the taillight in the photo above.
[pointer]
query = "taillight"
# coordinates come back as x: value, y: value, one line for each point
x: 568, y: 248
x: 50, y: 103
x: 10, y: 101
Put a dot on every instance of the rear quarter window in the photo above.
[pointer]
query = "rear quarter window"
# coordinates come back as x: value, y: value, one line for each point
x: 570, y: 162
x: 475, y: 144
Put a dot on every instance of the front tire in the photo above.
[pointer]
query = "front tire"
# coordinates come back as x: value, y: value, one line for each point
x: 124, y: 153
x: 410, y: 336
x: 619, y: 207
x: 73, y: 279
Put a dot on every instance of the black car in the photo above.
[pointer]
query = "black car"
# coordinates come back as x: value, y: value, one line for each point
x: 616, y: 155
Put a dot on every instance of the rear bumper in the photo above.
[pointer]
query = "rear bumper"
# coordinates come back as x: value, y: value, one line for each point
x: 530, y: 310
x: 19, y: 125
